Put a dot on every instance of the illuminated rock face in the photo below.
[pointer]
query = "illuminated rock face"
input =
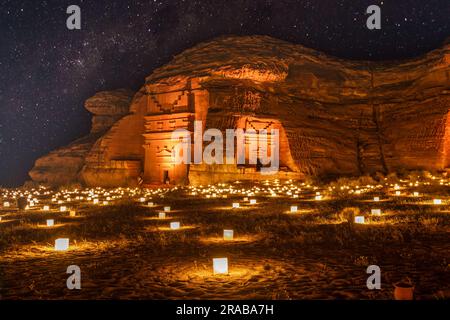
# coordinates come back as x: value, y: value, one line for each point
x: 335, y: 117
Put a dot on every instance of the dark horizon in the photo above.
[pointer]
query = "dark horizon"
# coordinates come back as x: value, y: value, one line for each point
x: 47, y: 71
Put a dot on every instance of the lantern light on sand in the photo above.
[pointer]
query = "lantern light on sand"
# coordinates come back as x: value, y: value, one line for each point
x: 359, y: 219
x: 161, y: 215
x: 376, y: 212
x: 220, y: 265
x: 228, y: 234
x: 50, y: 222
x: 294, y: 208
x: 61, y: 244
x: 174, y: 225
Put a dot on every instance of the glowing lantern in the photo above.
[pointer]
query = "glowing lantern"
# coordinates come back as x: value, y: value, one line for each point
x: 245, y: 199
x: 227, y: 234
x: 142, y: 199
x: 220, y: 265
x: 376, y: 199
x: 397, y: 193
x: 105, y: 203
x: 252, y: 201
x: 167, y: 209
x: 72, y: 213
x: 162, y: 215
x: 61, y: 244
x: 95, y: 201
x: 6, y: 204
x: 50, y: 223
x: 294, y: 208
x: 359, y: 219
x: 235, y: 205
x: 62, y: 209
x: 46, y: 208
x: 376, y: 212
x: 150, y: 204
x: 415, y: 194
x: 174, y: 225
x: 437, y: 201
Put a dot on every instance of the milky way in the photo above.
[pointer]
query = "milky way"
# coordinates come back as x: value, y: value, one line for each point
x: 47, y: 71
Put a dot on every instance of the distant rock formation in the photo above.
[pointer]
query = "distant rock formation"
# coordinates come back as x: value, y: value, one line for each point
x: 336, y: 117
x: 63, y: 166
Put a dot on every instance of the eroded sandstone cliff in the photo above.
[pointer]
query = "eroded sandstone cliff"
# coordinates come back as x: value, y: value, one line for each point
x: 336, y: 117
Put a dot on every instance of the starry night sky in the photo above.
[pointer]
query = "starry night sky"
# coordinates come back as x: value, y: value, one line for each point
x: 48, y: 71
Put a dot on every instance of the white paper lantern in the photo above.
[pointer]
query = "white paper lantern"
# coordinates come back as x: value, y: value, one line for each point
x: 142, y: 199
x: 376, y: 199
x: 72, y: 213
x: 167, y: 209
x: 46, y: 208
x: 318, y: 198
x: 397, y: 193
x: 174, y: 225
x: 162, y: 215
x: 294, y: 208
x: 235, y: 205
x: 150, y: 204
x: 6, y: 204
x: 61, y: 244
x: 63, y: 209
x: 415, y: 194
x: 105, y: 203
x: 220, y: 265
x: 228, y: 234
x: 437, y: 201
x: 95, y: 201
x: 245, y: 199
x: 50, y: 222
x: 376, y: 212
x: 252, y: 201
x: 359, y: 219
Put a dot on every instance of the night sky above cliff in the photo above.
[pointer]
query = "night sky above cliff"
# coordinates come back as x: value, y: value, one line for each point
x: 47, y: 71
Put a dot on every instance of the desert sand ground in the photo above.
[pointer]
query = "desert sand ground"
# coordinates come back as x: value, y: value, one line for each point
x: 126, y: 252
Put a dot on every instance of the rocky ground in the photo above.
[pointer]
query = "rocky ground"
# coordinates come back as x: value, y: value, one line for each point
x: 126, y: 252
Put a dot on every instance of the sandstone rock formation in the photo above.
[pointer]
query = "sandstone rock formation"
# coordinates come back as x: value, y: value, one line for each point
x: 62, y: 166
x: 336, y: 117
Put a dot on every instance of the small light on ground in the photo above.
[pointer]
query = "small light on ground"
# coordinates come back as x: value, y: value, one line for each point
x: 174, y: 225
x: 220, y: 265
x: 228, y: 234
x: 61, y: 244
x: 359, y: 219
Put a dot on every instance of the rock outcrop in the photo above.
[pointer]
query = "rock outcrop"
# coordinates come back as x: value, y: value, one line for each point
x: 335, y: 117
x: 63, y: 166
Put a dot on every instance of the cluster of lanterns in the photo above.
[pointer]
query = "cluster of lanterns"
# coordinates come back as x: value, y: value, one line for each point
x: 43, y: 199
